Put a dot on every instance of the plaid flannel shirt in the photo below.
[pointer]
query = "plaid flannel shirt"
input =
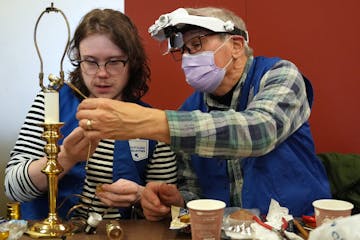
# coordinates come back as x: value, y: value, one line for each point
x: 272, y: 115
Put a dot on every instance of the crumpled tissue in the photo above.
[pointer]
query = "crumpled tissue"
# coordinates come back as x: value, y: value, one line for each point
x: 274, y: 219
x: 340, y: 228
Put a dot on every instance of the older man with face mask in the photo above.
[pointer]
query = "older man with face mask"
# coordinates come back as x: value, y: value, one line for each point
x: 243, y: 137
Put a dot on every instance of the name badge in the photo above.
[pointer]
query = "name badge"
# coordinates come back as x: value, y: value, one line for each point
x: 139, y: 149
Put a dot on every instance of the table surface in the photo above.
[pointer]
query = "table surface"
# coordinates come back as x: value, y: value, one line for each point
x: 132, y: 230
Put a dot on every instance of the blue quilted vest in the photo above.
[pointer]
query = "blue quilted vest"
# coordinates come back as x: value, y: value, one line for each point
x: 291, y: 173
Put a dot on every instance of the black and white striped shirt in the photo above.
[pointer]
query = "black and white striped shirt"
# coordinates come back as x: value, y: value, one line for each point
x: 30, y: 147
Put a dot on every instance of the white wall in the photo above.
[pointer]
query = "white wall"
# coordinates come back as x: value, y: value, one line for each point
x: 19, y: 62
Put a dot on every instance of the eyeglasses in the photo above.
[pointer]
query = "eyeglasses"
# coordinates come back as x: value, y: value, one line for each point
x: 191, y: 46
x: 113, y: 67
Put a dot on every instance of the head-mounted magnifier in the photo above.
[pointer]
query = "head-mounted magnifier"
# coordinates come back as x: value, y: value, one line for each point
x: 168, y: 28
x: 173, y: 42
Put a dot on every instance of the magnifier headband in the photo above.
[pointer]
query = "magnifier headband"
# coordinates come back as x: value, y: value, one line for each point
x: 170, y: 25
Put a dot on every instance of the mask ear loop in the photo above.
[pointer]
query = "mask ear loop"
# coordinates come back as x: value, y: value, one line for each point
x: 222, y: 44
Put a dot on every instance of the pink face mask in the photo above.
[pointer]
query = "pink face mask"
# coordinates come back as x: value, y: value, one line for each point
x: 201, y: 71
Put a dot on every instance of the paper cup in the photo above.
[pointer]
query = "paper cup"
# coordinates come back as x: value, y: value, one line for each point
x: 206, y: 217
x: 329, y: 209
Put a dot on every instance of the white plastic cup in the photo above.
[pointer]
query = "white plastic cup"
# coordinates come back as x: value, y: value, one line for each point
x: 329, y: 209
x: 206, y: 217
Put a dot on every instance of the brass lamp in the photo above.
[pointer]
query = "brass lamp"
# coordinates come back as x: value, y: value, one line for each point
x: 52, y: 226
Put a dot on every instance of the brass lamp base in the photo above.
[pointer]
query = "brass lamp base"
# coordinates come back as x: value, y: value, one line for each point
x: 50, y: 228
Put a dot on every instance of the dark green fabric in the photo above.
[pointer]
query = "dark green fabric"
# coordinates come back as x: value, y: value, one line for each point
x: 343, y: 171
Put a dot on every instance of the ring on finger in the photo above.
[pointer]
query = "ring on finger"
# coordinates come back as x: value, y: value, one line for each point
x: 89, y: 124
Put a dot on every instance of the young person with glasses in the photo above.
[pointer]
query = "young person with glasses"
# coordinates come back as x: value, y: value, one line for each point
x: 103, y: 175
x: 243, y: 137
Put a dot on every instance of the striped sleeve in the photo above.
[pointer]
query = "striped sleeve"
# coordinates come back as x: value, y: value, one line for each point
x: 29, y: 146
x: 162, y: 166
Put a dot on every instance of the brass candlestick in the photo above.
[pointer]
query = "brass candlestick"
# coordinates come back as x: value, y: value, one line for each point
x: 52, y: 226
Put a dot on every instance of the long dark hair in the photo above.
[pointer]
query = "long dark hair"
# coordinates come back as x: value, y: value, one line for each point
x: 123, y: 33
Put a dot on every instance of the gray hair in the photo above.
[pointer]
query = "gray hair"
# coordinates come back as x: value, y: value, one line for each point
x: 224, y: 15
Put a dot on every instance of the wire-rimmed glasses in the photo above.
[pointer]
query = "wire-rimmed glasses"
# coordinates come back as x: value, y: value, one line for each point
x: 113, y: 67
x: 191, y: 46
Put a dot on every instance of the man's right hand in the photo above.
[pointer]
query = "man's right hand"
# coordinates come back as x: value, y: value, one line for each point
x: 157, y: 199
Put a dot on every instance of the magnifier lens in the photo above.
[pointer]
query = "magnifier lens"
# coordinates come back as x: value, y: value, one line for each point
x: 176, y: 40
x: 173, y: 43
